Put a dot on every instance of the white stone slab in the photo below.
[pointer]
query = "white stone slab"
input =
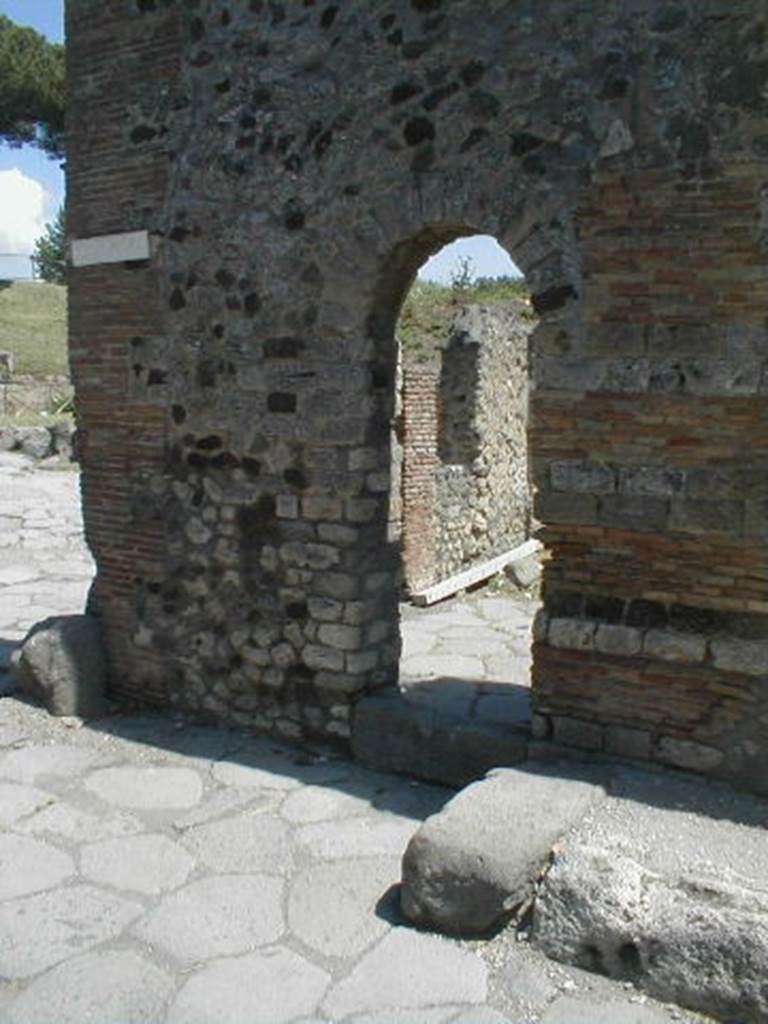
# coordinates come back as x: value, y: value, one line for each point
x: 475, y: 574
x: 119, y: 248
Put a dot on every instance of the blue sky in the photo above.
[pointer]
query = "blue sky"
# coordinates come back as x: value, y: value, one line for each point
x: 32, y: 185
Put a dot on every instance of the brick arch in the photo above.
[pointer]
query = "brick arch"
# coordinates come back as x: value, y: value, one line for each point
x: 271, y: 178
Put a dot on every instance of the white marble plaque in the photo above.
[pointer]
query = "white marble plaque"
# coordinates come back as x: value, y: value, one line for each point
x: 128, y: 245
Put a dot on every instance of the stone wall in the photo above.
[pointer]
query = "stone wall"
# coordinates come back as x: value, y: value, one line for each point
x: 21, y: 394
x: 293, y: 165
x: 465, y: 452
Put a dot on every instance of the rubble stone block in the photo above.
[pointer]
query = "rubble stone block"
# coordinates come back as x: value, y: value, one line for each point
x: 62, y: 663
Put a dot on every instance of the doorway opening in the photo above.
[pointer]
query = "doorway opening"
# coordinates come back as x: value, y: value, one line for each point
x: 461, y: 497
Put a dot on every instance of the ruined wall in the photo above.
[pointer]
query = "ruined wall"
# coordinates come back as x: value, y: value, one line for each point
x: 465, y: 452
x: 483, y: 496
x: 293, y: 165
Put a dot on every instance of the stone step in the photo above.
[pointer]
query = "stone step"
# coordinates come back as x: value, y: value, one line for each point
x: 471, y: 865
x: 392, y: 733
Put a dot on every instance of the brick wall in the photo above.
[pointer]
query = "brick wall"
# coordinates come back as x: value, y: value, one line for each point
x: 419, y: 474
x: 235, y: 392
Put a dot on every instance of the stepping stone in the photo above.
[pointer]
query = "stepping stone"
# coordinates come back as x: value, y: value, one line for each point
x: 106, y: 986
x: 216, y: 917
x: 273, y: 986
x: 469, y: 866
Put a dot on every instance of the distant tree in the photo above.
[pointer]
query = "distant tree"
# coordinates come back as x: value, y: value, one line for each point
x: 32, y: 89
x: 461, y: 279
x: 50, y: 250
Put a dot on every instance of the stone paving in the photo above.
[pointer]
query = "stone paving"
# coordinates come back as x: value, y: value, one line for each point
x: 470, y: 657
x: 153, y: 871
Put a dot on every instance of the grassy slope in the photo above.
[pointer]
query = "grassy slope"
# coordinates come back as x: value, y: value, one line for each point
x: 33, y: 326
x: 429, y: 309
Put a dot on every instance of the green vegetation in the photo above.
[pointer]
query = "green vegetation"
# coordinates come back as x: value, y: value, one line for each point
x: 50, y: 250
x: 33, y: 326
x: 429, y: 308
x: 32, y: 89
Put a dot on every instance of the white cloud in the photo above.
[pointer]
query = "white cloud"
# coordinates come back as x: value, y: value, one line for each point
x: 22, y: 211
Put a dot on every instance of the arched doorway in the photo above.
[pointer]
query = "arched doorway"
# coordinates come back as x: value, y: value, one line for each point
x: 460, y: 509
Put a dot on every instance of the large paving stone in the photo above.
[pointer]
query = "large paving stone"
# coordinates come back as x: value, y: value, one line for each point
x: 698, y: 941
x: 370, y: 836
x: 408, y: 969
x: 247, y: 842
x: 63, y: 820
x: 471, y: 864
x: 217, y: 805
x: 146, y: 864
x: 216, y: 917
x: 391, y: 733
x: 272, y: 986
x: 38, y: 931
x: 57, y: 761
x: 104, y: 986
x: 332, y: 905
x: 146, y: 788
x: 19, y: 801
x: 27, y: 865
x: 322, y: 803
